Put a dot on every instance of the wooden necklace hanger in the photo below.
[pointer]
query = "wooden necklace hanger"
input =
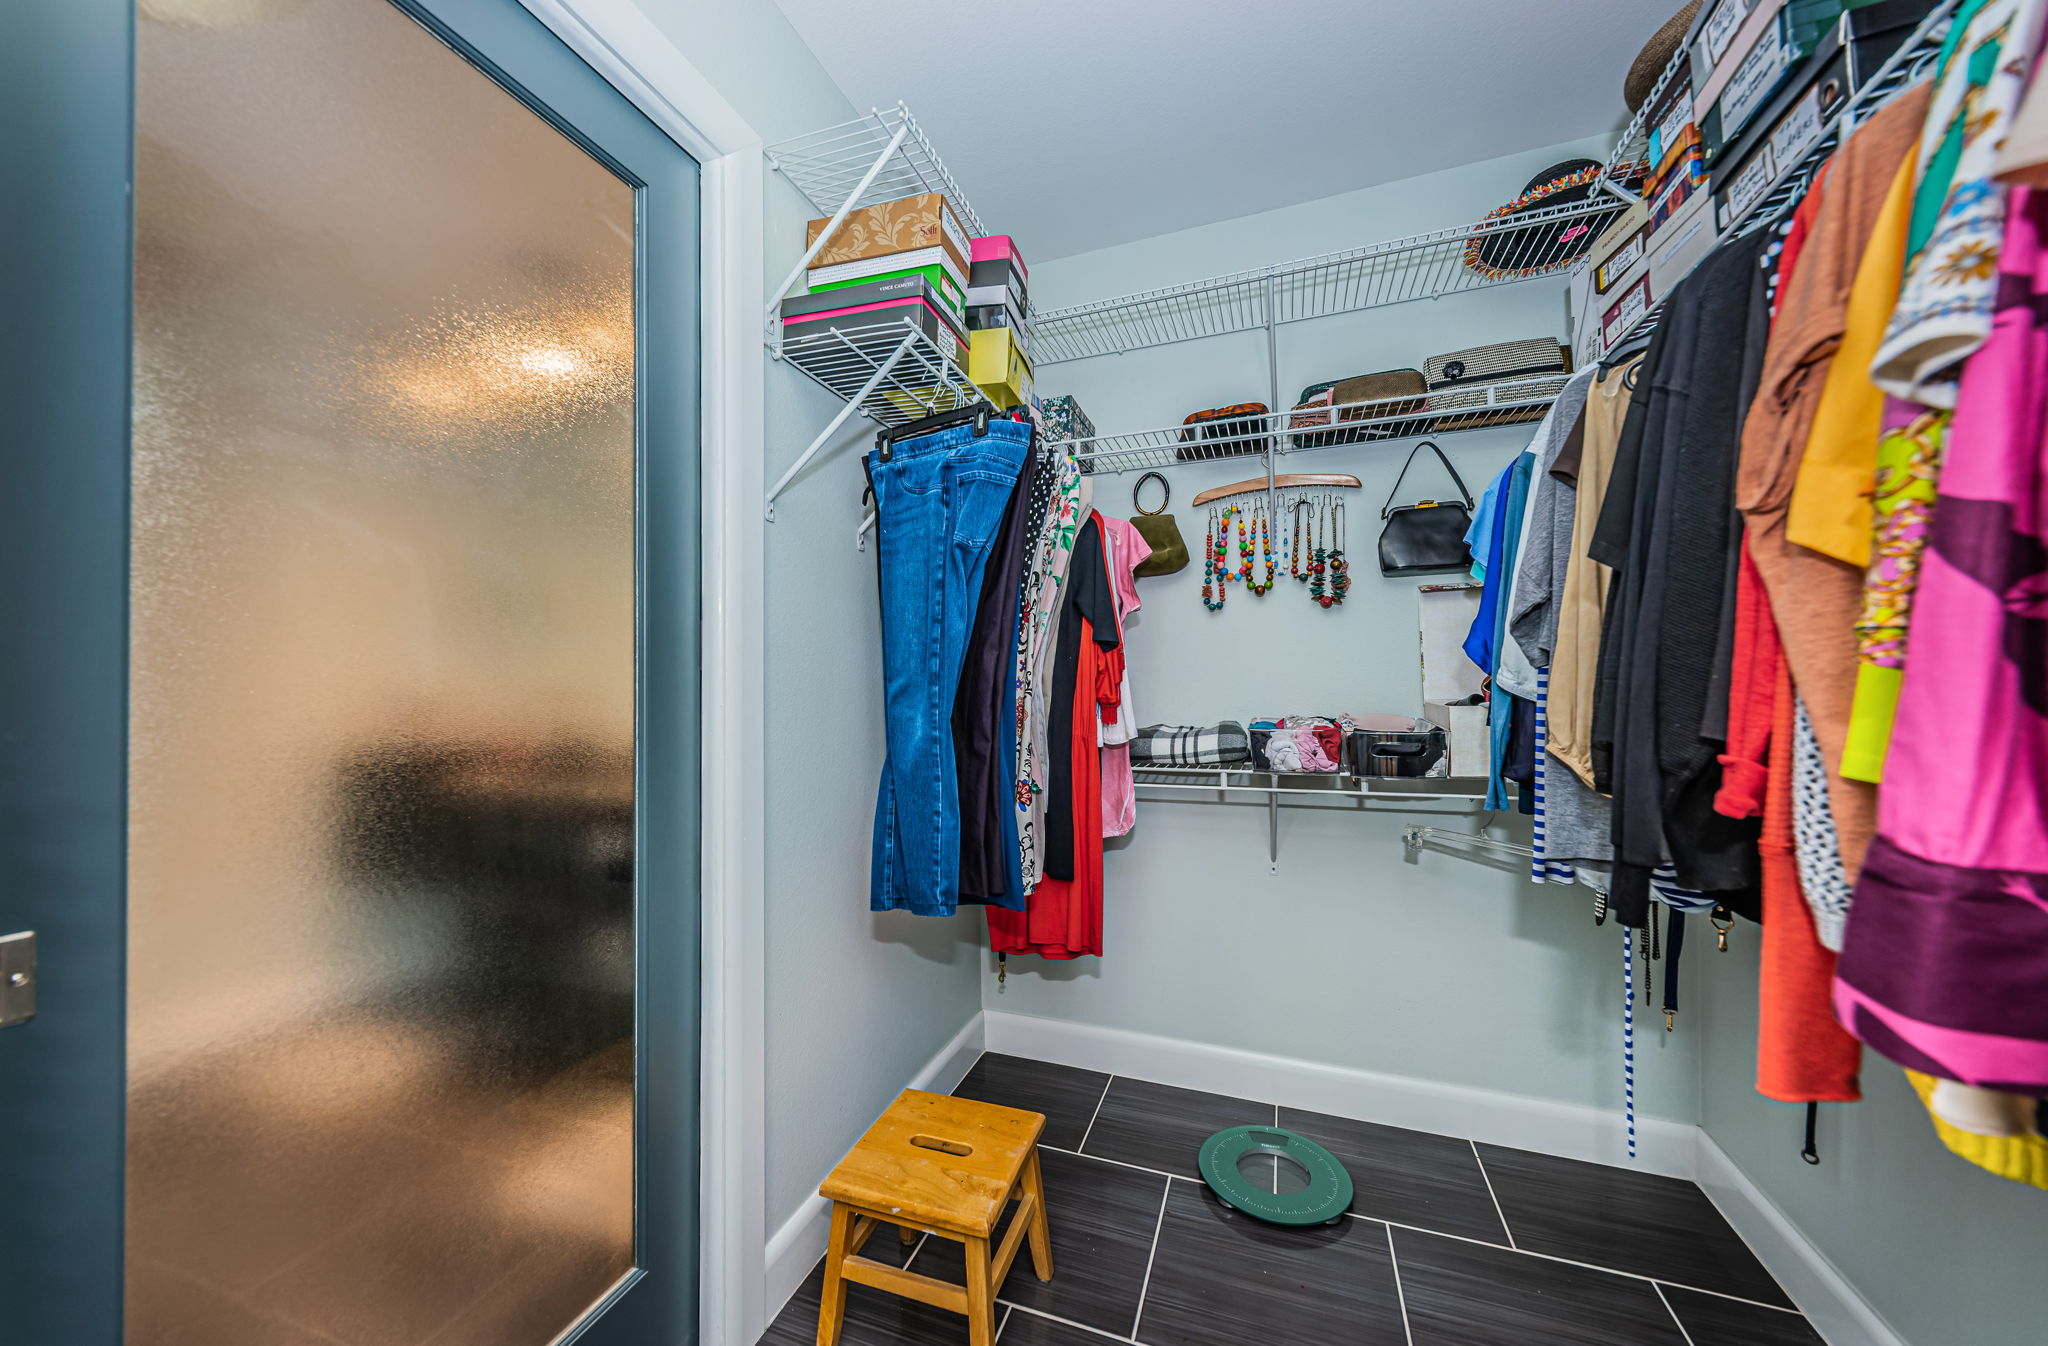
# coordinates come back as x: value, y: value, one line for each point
x: 1284, y: 481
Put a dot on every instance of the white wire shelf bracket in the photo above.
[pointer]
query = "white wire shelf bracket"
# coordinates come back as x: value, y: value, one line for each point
x: 1426, y: 266
x: 1354, y: 423
x: 889, y: 371
x: 879, y: 157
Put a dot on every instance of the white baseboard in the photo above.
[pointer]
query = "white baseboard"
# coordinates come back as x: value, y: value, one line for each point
x: 1562, y: 1129
x: 796, y: 1247
x: 1822, y: 1293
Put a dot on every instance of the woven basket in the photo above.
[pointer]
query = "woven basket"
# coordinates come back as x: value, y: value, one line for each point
x: 1655, y: 55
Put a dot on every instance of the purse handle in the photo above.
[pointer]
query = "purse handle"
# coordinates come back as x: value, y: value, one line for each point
x: 1387, y: 510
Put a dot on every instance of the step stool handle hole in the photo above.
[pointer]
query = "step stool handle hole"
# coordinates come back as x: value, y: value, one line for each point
x: 946, y: 1146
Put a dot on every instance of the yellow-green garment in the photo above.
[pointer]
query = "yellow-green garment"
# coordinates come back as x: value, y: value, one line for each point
x: 1830, y: 511
x: 2021, y: 1157
x: 1908, y: 467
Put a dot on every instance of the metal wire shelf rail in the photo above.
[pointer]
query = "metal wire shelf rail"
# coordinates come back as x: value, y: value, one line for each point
x: 1291, y: 432
x: 1425, y: 266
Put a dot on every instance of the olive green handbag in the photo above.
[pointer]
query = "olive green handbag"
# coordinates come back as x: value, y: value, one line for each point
x: 1161, y: 533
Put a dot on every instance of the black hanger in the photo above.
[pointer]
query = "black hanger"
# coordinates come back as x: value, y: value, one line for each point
x: 979, y: 413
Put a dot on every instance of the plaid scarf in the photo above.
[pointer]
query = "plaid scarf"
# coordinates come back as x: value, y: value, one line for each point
x: 1191, y: 745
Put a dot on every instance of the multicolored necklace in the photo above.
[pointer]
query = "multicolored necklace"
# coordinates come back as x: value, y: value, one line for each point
x: 1262, y: 537
x: 1340, y: 568
x: 1319, y: 565
x: 1215, y: 563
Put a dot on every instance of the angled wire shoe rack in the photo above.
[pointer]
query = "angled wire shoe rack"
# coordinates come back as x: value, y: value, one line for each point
x: 888, y: 371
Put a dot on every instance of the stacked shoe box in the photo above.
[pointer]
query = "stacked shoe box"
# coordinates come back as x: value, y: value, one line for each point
x: 889, y: 265
x: 998, y: 322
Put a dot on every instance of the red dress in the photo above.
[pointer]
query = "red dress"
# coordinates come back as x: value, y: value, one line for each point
x: 1063, y: 917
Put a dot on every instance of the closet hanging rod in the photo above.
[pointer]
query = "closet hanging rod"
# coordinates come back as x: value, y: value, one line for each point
x: 1285, y: 481
x: 1415, y: 838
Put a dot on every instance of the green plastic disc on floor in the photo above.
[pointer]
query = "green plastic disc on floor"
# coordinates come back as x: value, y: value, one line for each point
x: 1326, y: 1197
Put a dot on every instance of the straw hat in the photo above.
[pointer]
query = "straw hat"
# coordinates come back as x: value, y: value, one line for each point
x: 1655, y: 55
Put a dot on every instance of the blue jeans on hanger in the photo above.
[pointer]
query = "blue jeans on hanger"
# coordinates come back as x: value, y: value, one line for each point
x: 939, y: 501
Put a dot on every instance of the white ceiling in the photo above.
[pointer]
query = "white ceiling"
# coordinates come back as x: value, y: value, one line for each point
x: 1077, y: 124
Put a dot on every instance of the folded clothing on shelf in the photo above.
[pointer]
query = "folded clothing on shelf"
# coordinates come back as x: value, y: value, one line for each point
x: 1240, y: 423
x: 1298, y: 745
x: 922, y: 221
x: 1464, y: 378
x: 1225, y: 744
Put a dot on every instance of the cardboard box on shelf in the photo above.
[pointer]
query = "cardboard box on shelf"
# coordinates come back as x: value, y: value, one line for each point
x: 923, y: 221
x: 994, y: 360
x: 889, y: 263
x: 940, y: 281
x: 1689, y: 235
x: 1001, y: 248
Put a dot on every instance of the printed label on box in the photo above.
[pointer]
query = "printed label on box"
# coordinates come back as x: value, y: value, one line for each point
x: 1749, y: 186
x: 951, y: 224
x: 1754, y: 79
x: 1626, y: 312
x: 1800, y: 130
x: 1722, y: 26
x: 1617, y: 266
x: 1672, y: 130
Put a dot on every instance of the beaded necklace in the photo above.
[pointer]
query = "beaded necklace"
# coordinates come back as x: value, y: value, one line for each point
x: 1262, y: 536
x: 1215, y: 575
x: 1297, y: 563
x: 1340, y: 568
x: 1319, y: 565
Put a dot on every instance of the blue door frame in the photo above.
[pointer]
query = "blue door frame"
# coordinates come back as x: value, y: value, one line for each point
x: 66, y: 275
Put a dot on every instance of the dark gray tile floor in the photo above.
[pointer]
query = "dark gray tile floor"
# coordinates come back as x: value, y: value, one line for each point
x: 1068, y: 1097
x: 1448, y: 1244
x: 1663, y: 1228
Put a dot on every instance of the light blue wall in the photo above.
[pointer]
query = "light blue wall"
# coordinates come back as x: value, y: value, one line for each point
x: 1947, y: 1253
x: 857, y: 1003
x: 1442, y: 969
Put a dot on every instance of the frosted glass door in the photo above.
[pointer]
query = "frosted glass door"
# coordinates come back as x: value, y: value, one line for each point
x: 381, y: 985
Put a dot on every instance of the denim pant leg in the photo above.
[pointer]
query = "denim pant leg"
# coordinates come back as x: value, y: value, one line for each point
x: 940, y: 500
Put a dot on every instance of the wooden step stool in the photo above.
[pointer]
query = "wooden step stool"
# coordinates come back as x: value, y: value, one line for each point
x: 947, y: 1166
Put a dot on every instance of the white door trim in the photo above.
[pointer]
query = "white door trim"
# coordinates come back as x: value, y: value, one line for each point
x: 621, y: 43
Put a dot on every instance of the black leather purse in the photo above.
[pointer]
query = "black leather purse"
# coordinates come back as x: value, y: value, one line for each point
x: 1429, y: 535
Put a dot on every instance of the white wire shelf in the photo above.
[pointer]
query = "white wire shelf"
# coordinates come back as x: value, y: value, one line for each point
x: 1325, y: 785
x: 827, y: 165
x: 1358, y: 422
x: 919, y: 379
x: 1426, y: 266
